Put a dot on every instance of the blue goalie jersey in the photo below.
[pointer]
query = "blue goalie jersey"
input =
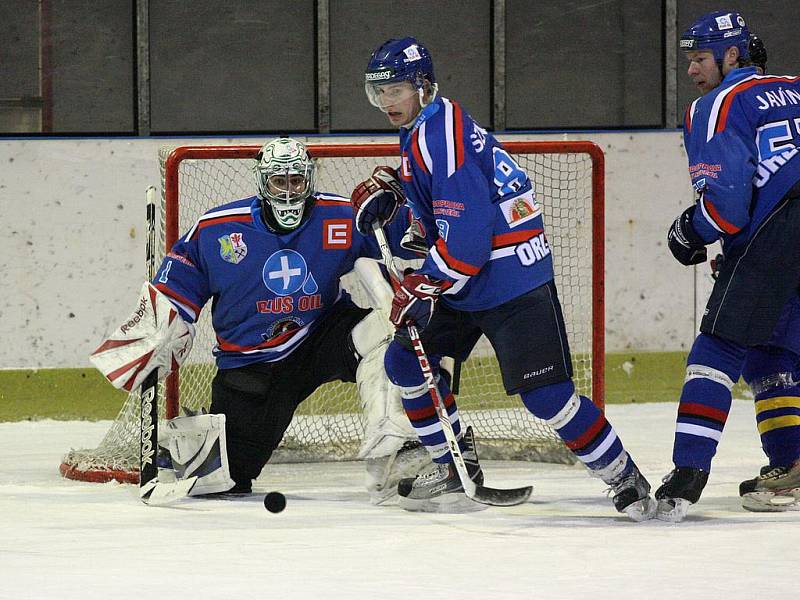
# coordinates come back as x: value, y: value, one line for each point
x: 743, y: 145
x: 269, y: 291
x: 477, y: 207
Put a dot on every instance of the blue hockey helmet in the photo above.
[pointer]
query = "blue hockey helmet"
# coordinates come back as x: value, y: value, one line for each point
x: 397, y: 61
x: 716, y: 32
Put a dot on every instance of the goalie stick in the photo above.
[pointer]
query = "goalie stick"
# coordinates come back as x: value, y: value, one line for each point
x: 151, y: 491
x: 478, y: 493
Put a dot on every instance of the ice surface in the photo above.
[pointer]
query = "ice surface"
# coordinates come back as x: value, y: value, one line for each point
x: 71, y: 540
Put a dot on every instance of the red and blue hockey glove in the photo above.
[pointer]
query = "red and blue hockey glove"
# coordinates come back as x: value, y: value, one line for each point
x: 377, y: 199
x: 686, y: 245
x: 415, y: 300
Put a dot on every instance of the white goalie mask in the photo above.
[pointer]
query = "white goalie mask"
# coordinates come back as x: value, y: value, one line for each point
x: 285, y: 179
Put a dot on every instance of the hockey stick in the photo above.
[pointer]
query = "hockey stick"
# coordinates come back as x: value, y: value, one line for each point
x: 478, y: 493
x: 151, y: 491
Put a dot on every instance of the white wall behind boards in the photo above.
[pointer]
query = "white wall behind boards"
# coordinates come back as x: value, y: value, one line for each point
x: 74, y: 233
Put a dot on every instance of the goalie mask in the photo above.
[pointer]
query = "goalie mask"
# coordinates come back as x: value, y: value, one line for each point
x: 285, y: 180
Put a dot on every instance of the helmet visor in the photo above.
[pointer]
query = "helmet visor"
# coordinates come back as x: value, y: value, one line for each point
x: 386, y: 95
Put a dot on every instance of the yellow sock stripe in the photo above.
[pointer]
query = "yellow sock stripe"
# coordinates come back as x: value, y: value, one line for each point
x: 777, y: 402
x: 778, y: 423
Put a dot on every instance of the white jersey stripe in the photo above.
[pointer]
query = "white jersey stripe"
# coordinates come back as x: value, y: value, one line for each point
x: 216, y: 215
x: 717, y: 106
x: 423, y: 148
x: 449, y: 137
x: 442, y: 266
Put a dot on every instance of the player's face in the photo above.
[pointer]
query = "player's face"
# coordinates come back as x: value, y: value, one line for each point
x: 289, y: 186
x: 703, y: 70
x: 400, y: 102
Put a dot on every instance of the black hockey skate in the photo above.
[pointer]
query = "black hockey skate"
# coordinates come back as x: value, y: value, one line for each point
x: 632, y: 496
x: 439, y: 489
x: 776, y: 489
x: 680, y: 489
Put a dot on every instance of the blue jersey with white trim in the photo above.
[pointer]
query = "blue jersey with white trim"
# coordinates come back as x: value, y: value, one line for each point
x: 478, y: 209
x: 743, y: 144
x: 269, y: 290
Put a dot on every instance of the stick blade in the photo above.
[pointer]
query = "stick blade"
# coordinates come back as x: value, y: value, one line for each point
x: 495, y: 497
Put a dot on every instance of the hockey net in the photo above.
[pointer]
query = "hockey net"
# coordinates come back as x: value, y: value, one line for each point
x: 568, y: 180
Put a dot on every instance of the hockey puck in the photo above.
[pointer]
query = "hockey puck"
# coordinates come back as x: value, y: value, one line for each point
x: 274, y: 502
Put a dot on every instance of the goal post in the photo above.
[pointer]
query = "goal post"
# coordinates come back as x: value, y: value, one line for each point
x: 568, y: 178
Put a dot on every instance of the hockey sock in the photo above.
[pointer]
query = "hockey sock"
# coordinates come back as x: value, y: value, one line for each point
x: 713, y: 366
x: 403, y: 370
x: 773, y: 375
x: 582, y: 426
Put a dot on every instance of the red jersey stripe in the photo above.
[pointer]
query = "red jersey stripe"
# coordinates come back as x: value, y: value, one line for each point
x: 455, y: 264
x: 721, y: 223
x: 722, y: 119
x: 417, y: 153
x: 270, y: 343
x: 511, y: 239
x: 458, y: 134
x: 176, y: 296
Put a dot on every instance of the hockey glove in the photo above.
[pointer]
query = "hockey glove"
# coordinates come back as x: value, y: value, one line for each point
x: 415, y: 300
x: 377, y: 199
x: 686, y: 245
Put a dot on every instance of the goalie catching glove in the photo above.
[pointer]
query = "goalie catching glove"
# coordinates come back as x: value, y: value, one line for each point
x: 153, y: 337
x: 415, y: 300
x: 377, y: 199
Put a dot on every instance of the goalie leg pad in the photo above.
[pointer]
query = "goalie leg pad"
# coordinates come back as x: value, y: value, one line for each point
x: 196, y: 446
x: 390, y: 446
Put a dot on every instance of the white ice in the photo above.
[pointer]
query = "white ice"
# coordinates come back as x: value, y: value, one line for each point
x: 64, y: 539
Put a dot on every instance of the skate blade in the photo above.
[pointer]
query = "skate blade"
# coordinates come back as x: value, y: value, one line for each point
x: 454, y: 503
x: 641, y: 510
x: 672, y: 513
x: 771, y: 502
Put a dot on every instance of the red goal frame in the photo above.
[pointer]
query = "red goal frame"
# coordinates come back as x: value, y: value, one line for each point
x: 172, y: 194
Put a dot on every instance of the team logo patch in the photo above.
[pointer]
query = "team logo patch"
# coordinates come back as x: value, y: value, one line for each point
x: 336, y: 234
x: 724, y: 22
x: 232, y: 248
x: 520, y: 209
x: 281, y: 327
x: 285, y: 272
x: 412, y: 54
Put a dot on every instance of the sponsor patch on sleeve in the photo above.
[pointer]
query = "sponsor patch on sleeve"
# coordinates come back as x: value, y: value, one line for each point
x: 520, y: 209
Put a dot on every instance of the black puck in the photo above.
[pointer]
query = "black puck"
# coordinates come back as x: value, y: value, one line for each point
x: 274, y: 502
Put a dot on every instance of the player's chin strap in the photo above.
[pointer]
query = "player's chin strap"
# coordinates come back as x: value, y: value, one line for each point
x: 478, y: 493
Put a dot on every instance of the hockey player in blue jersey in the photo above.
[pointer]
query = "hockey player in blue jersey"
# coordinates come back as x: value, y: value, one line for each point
x: 271, y: 265
x: 742, y: 139
x: 488, y: 270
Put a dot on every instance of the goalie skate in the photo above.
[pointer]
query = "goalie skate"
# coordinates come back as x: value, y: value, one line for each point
x: 776, y: 489
x: 439, y: 488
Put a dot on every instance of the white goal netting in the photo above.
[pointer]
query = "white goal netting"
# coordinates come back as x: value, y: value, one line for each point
x: 567, y: 178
